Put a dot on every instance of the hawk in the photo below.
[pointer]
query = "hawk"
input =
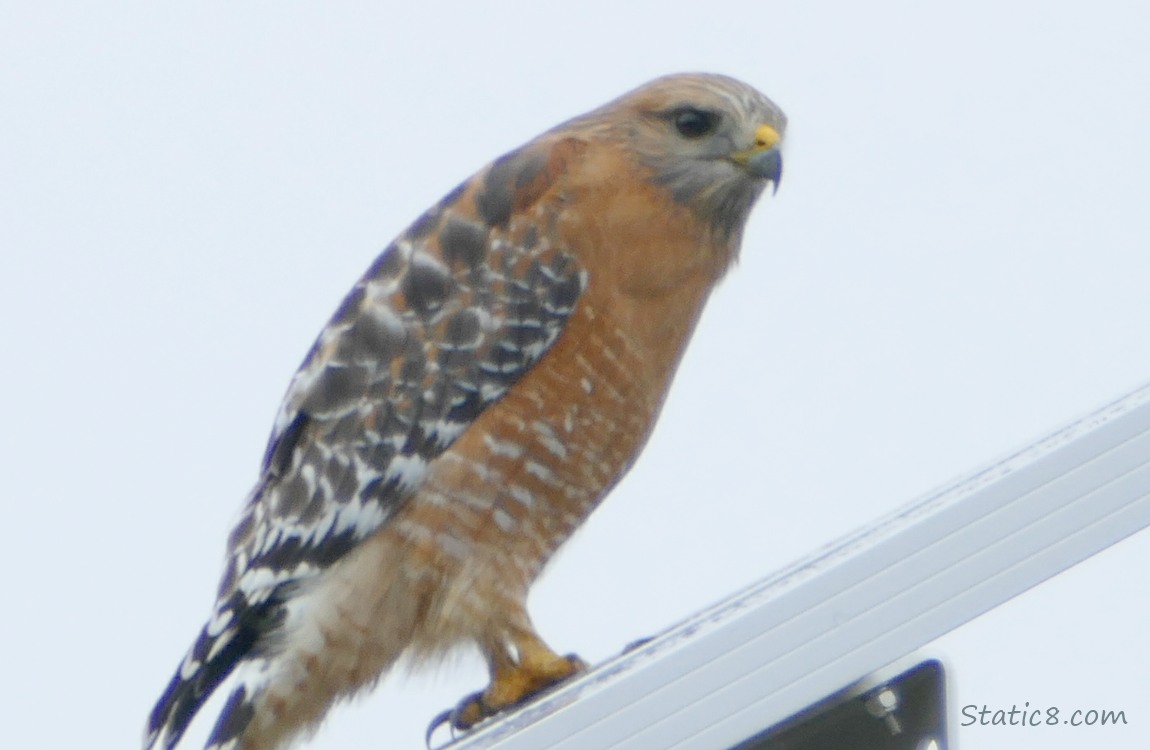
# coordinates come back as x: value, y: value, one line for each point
x: 479, y: 391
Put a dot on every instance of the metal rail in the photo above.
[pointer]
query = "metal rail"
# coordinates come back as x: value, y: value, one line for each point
x: 859, y: 604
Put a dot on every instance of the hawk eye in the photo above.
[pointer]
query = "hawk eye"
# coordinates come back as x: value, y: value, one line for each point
x: 694, y: 123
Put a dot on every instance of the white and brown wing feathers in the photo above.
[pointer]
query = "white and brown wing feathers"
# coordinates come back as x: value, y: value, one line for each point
x: 449, y: 316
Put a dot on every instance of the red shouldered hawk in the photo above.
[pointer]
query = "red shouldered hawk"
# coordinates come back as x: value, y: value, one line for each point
x: 477, y: 394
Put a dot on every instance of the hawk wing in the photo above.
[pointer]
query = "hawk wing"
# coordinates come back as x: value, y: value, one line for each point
x: 443, y: 323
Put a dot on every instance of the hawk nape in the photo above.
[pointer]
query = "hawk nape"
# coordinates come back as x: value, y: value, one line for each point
x: 477, y: 394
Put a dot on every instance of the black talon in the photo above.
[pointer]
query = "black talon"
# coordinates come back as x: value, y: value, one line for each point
x: 453, y: 718
x: 638, y: 643
x: 456, y: 714
x: 441, y: 718
x: 576, y: 661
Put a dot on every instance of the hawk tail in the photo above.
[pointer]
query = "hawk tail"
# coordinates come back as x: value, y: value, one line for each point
x: 212, y: 657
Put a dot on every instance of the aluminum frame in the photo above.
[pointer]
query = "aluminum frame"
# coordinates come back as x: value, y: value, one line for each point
x: 862, y: 603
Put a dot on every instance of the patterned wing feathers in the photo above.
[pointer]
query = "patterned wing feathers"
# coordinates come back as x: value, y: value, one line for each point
x: 442, y: 324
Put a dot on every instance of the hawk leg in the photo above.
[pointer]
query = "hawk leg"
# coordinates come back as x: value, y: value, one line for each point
x: 515, y: 679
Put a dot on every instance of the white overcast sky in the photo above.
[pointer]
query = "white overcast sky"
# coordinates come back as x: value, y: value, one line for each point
x: 958, y: 262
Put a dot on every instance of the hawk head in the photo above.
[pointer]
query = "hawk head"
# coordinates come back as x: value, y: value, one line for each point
x: 712, y: 141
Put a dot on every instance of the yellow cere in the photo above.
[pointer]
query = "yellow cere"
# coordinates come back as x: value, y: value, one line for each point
x: 766, y: 137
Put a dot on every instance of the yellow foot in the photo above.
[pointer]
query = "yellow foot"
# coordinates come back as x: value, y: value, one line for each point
x: 511, y: 688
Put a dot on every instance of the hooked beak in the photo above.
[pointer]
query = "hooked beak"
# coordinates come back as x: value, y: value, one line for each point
x: 763, y: 160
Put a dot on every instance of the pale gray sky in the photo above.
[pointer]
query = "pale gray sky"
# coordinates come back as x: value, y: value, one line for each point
x: 957, y: 262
